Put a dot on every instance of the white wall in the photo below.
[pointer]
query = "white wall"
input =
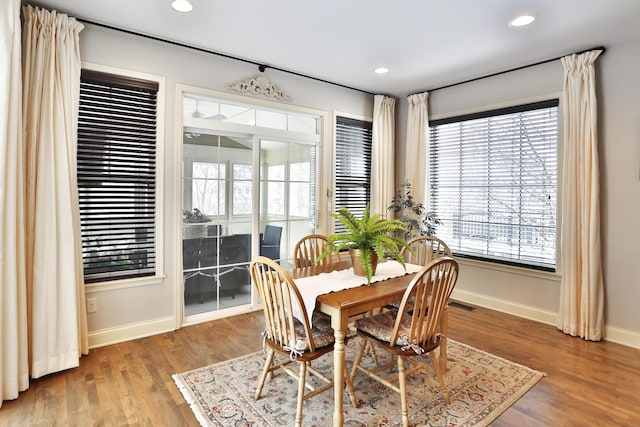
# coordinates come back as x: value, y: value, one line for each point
x: 619, y: 147
x: 136, y: 311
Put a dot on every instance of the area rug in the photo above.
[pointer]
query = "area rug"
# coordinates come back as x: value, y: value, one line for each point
x: 481, y: 387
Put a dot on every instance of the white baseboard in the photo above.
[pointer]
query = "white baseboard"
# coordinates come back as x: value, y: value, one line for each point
x: 504, y: 306
x: 130, y: 332
x: 622, y: 336
x: 613, y: 334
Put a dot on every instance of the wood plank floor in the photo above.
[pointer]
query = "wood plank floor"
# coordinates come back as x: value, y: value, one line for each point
x: 587, y: 384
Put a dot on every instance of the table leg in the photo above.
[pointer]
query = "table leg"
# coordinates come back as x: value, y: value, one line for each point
x: 338, y: 376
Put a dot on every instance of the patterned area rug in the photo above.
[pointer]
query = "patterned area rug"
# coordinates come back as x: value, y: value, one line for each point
x: 481, y: 386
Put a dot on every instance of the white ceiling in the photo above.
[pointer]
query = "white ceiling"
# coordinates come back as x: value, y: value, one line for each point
x: 424, y: 43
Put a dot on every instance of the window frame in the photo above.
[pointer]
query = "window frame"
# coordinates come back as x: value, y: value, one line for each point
x: 159, y: 275
x: 550, y: 100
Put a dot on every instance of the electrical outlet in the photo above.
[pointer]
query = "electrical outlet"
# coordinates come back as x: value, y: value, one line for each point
x: 92, y: 305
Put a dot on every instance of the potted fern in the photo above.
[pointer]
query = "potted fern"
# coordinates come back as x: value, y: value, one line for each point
x: 367, y: 238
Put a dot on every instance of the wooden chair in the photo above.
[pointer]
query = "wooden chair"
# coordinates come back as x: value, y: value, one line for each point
x: 308, y: 249
x: 425, y: 249
x: 410, y: 335
x: 290, y: 337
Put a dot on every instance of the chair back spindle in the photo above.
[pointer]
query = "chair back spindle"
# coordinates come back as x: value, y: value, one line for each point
x: 308, y: 250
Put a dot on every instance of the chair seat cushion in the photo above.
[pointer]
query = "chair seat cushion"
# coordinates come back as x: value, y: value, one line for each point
x: 381, y: 326
x: 396, y: 305
x: 321, y: 332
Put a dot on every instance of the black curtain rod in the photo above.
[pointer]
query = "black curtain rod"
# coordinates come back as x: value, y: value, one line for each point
x: 261, y: 67
x: 602, y: 48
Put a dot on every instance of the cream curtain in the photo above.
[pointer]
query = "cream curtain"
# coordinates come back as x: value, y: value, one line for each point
x: 383, y: 154
x: 582, y: 287
x: 55, y: 288
x: 416, y: 148
x: 14, y: 365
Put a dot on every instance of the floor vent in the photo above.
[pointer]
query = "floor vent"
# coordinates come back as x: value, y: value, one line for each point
x: 462, y: 306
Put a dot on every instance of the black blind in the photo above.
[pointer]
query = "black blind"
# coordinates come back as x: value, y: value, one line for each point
x: 353, y: 165
x: 117, y: 175
x: 493, y: 183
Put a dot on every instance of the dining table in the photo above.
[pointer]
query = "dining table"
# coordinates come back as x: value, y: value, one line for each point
x: 342, y: 304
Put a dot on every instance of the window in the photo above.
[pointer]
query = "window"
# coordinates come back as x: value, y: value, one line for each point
x: 242, y: 190
x: 275, y: 190
x: 301, y: 177
x: 493, y: 183
x: 117, y: 175
x: 208, y: 187
x: 353, y: 165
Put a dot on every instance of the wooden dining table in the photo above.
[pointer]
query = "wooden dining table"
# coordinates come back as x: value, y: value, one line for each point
x: 341, y: 305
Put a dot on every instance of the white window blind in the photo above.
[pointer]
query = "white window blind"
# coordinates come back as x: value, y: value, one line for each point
x: 493, y: 183
x: 117, y: 175
x: 353, y: 166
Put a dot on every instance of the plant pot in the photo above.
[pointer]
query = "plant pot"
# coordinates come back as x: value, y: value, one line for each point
x: 195, y: 230
x: 358, y: 268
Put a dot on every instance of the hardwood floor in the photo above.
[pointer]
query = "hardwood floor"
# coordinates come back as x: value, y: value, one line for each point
x: 586, y: 383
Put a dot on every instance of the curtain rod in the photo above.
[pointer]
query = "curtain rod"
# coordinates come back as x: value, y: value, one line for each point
x: 261, y: 67
x: 602, y: 48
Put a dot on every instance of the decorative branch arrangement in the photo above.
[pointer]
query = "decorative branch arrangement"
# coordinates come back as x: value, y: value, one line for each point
x: 417, y: 221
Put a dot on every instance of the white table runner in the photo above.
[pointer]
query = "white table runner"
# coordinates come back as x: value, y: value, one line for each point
x: 324, y: 283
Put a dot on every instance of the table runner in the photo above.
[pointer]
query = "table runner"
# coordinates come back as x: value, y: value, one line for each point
x: 313, y: 286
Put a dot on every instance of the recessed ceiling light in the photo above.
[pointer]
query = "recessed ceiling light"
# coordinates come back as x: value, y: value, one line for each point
x: 381, y: 70
x: 182, y: 5
x: 522, y: 20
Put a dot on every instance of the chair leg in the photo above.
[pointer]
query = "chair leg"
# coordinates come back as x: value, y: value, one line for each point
x: 372, y: 349
x: 444, y: 328
x: 402, y: 380
x: 358, y: 358
x: 301, y: 384
x: 265, y: 372
x: 349, y: 383
x: 436, y: 367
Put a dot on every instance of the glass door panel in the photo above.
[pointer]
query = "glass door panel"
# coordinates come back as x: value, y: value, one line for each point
x: 287, y: 194
x: 216, y: 249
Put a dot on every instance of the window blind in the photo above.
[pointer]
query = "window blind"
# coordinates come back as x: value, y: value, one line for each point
x: 493, y: 183
x: 117, y: 175
x: 353, y: 166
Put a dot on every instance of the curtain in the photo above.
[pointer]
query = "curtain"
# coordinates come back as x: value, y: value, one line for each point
x: 582, y: 287
x: 382, y: 154
x: 50, y: 98
x: 14, y: 365
x: 416, y: 148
